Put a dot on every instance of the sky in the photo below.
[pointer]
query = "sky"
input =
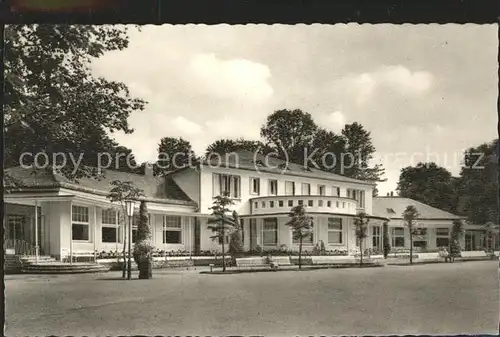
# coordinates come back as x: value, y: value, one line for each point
x: 425, y: 92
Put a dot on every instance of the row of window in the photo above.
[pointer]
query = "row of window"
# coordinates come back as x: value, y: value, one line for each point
x: 270, y: 232
x: 291, y: 203
x: 420, y: 238
x: 172, y: 230
x: 111, y: 231
x: 231, y: 185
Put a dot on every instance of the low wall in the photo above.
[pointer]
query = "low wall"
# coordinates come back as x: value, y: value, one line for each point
x: 169, y: 262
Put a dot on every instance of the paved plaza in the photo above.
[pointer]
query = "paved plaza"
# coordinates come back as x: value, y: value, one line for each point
x: 421, y: 299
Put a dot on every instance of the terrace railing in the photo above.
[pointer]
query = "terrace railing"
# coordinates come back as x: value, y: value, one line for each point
x: 20, y: 247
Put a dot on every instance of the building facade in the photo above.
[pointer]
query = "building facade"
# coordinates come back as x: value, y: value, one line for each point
x: 46, y: 212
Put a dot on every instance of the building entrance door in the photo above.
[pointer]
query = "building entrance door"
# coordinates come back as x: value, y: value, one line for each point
x: 470, y: 242
x: 15, y: 227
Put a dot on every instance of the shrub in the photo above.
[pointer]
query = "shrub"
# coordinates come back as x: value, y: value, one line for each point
x: 386, y: 244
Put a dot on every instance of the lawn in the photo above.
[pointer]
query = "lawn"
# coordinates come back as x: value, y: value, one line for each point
x: 421, y: 299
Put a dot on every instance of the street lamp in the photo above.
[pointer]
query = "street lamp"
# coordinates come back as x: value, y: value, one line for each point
x: 130, y: 205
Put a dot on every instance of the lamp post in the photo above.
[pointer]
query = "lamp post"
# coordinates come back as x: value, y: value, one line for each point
x: 130, y: 205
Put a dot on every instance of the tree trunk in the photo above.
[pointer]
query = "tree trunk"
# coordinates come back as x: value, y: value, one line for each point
x: 300, y: 253
x: 223, y: 253
x: 411, y: 246
x: 361, y: 252
x: 124, y: 264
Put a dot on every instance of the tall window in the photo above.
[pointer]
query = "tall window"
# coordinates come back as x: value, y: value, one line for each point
x: 270, y: 232
x: 80, y: 223
x: 359, y: 196
x: 255, y: 186
x: 442, y: 237
x: 273, y: 187
x: 376, y: 237
x: 15, y: 225
x: 226, y: 183
x: 335, y: 230
x: 306, y: 240
x: 420, y: 238
x: 306, y: 189
x: 398, y: 236
x: 321, y: 189
x: 253, y: 233
x: 289, y: 188
x: 336, y: 191
x: 110, y: 230
x: 172, y: 229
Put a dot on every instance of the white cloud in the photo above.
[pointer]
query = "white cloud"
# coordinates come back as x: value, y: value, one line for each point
x: 186, y: 126
x: 396, y: 78
x: 233, y: 78
x: 334, y: 121
x: 402, y: 77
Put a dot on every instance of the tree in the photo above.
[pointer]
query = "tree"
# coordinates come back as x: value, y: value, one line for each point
x: 221, y: 224
x: 410, y: 215
x: 143, y: 248
x: 301, y: 224
x: 290, y: 131
x: 52, y: 102
x: 429, y: 184
x: 478, y: 184
x: 387, y: 244
x: 457, y: 231
x: 173, y: 153
x: 224, y: 146
x: 328, y: 148
x: 361, y: 222
x: 123, y: 159
x: 359, y: 151
x: 119, y: 193
x: 235, y: 242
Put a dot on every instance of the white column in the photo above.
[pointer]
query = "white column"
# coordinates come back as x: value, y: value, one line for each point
x: 36, y: 231
x: 95, y: 233
x: 347, y: 229
x: 71, y: 232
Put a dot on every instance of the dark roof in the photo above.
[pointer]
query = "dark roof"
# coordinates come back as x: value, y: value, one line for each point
x: 257, y: 162
x: 163, y: 189
x: 393, y: 207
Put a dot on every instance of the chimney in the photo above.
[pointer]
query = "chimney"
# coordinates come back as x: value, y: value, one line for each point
x: 392, y: 194
x: 148, y: 169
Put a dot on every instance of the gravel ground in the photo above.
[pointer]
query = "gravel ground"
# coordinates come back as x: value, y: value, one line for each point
x: 421, y: 299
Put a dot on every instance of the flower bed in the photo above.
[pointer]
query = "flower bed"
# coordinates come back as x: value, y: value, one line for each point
x: 286, y: 252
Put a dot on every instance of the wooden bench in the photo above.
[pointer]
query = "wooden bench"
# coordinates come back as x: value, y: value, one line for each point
x: 75, y: 255
x: 429, y: 257
x: 253, y: 262
x: 281, y: 261
x: 474, y: 255
x: 333, y: 259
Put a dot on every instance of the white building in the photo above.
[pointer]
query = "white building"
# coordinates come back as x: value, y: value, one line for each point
x: 77, y: 218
